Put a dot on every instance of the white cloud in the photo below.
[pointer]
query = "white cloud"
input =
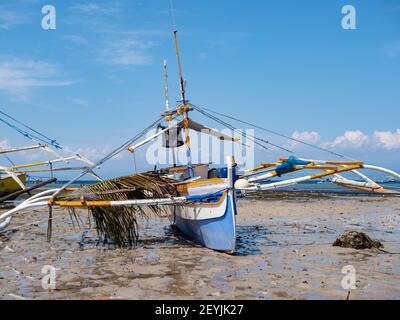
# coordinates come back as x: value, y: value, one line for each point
x: 80, y: 102
x: 309, y: 137
x: 96, y: 8
x: 18, y: 77
x: 77, y: 40
x: 388, y: 140
x: 126, y: 53
x: 9, y: 18
x: 93, y: 153
x: 385, y: 140
x: 4, y: 144
x: 350, y: 139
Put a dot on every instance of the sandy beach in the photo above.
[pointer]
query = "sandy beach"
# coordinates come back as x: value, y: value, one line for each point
x: 284, y: 252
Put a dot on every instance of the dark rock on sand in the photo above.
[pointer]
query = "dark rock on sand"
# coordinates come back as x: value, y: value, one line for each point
x: 356, y: 240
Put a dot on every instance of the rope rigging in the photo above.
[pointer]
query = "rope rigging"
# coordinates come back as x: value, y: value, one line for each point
x: 33, y: 135
x: 234, y: 130
x: 111, y: 155
x: 8, y: 159
x: 274, y: 132
x: 252, y: 138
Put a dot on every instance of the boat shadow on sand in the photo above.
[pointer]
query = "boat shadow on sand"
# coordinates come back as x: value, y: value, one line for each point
x: 249, y: 239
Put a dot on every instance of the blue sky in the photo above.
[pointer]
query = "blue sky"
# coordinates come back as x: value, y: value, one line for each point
x: 288, y: 65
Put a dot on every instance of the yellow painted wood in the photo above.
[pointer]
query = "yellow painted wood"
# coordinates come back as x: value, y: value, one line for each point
x: 257, y: 169
x: 314, y: 167
x: 28, y: 165
x: 9, y: 184
x: 331, y: 172
x: 186, y: 127
x: 78, y: 204
x: 346, y: 163
x: 377, y: 189
x: 200, y: 183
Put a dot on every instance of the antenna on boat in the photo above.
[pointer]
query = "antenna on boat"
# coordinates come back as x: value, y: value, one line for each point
x: 167, y: 107
x: 184, y: 108
x: 166, y: 86
x: 182, y: 82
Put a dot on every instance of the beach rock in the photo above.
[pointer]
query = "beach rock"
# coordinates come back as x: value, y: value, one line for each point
x: 356, y: 240
x: 8, y: 249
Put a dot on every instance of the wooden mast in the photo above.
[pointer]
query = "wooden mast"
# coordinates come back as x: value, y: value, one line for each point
x: 184, y: 106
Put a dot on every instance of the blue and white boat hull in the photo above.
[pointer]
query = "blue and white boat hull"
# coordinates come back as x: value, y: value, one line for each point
x: 212, y: 225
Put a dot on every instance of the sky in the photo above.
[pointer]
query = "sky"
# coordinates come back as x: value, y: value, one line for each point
x: 287, y: 65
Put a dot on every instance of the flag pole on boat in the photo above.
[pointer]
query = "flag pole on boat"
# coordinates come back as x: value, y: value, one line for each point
x: 166, y: 86
x: 167, y: 107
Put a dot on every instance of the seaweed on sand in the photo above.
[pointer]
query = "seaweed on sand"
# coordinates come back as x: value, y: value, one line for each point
x: 356, y: 240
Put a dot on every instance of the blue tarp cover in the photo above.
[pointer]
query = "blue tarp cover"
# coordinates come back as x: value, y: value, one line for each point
x: 289, y: 165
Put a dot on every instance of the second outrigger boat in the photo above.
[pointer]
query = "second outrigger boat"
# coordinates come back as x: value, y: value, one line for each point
x: 200, y: 202
x: 14, y: 177
x: 9, y: 186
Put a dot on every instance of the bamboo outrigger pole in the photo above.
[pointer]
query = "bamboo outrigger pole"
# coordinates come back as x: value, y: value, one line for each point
x: 4, y: 151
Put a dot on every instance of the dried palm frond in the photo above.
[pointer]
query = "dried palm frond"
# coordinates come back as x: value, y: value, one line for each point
x: 119, y: 224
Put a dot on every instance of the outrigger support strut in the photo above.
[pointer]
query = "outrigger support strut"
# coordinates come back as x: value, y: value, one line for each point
x: 257, y: 179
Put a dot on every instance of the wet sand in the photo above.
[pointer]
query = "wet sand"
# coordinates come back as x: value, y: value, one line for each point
x: 284, y: 252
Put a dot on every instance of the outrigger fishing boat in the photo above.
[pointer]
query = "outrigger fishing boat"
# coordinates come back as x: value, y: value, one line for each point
x: 200, y: 201
x: 9, y: 186
x: 14, y: 178
x: 11, y: 182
